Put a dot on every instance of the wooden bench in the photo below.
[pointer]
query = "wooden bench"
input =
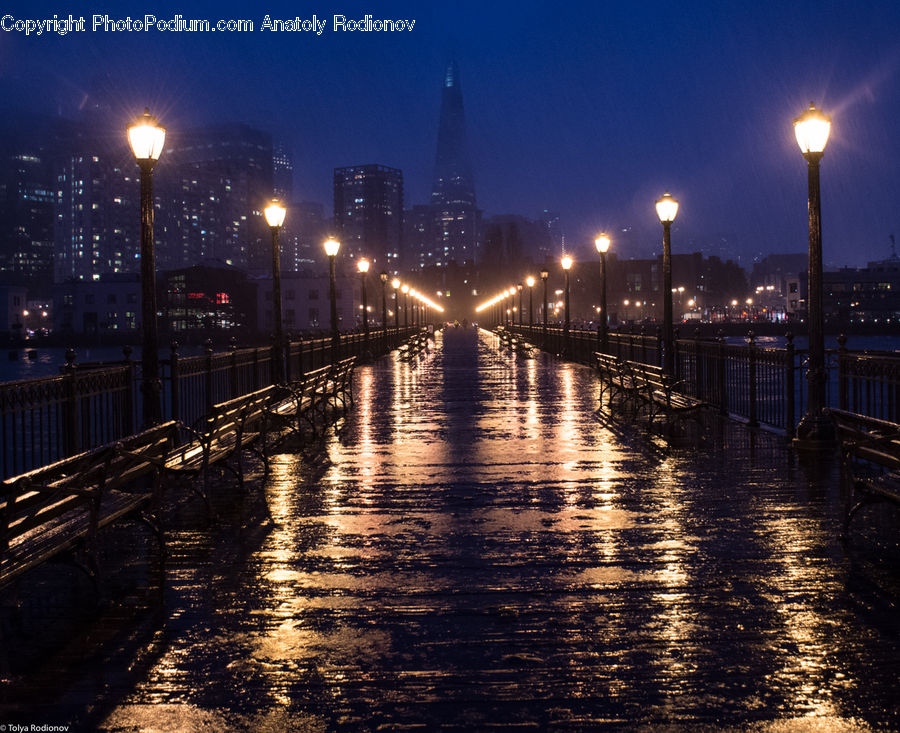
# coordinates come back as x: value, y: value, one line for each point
x: 60, y: 508
x: 413, y: 346
x: 305, y: 401
x: 292, y: 404
x: 341, y: 382
x: 659, y: 392
x: 230, y: 429
x: 613, y: 377
x: 519, y: 346
x: 329, y: 391
x: 870, y: 460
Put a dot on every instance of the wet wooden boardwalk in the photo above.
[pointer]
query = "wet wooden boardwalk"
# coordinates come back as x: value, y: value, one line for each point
x: 480, y: 551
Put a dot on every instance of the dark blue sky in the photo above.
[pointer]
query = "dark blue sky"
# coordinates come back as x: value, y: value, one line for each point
x: 592, y: 109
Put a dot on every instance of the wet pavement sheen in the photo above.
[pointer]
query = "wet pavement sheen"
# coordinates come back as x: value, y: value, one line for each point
x: 480, y: 551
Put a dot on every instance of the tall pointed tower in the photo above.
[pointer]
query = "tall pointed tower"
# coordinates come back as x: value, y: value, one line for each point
x: 456, y: 215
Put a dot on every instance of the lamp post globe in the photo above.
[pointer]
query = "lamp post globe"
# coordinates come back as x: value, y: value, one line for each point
x: 275, y: 214
x: 566, y: 263
x: 405, y: 290
x: 520, y: 287
x: 545, y: 275
x: 147, y: 138
x: 602, y: 244
x: 331, y: 249
x: 666, y: 210
x: 529, y: 281
x: 815, y: 431
x: 362, y: 265
x: 395, y: 284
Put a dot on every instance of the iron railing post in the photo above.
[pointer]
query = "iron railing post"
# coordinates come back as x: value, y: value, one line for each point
x: 233, y: 370
x: 208, y: 348
x: 790, y: 386
x: 128, y: 407
x: 699, y: 366
x: 175, y: 399
x: 751, y: 372
x: 723, y: 390
x: 676, y: 366
x: 71, y: 441
x: 843, y: 395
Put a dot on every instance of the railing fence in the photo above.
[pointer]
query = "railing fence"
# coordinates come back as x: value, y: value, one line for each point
x: 765, y: 386
x: 44, y: 420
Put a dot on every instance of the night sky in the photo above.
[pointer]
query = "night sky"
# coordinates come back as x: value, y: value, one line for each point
x: 592, y: 110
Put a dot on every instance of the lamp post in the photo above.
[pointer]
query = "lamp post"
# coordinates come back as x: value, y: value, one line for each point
x: 815, y: 430
x: 384, y: 278
x: 395, y: 284
x: 275, y: 218
x: 405, y: 290
x: 529, y: 281
x: 544, y: 276
x: 666, y: 209
x: 147, y: 138
x: 602, y: 244
x: 520, y: 287
x: 362, y: 265
x: 566, y: 263
x: 331, y: 249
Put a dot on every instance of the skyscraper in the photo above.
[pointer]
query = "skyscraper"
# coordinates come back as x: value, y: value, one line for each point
x: 456, y: 213
x: 27, y: 199
x: 215, y: 182
x: 305, y: 228
x: 368, y: 209
x: 97, y: 202
x: 282, y: 172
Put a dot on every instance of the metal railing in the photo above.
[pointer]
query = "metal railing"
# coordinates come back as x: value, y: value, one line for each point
x: 44, y: 420
x: 868, y: 383
x: 765, y: 386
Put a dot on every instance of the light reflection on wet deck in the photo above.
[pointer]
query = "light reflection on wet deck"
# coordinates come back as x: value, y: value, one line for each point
x: 480, y: 551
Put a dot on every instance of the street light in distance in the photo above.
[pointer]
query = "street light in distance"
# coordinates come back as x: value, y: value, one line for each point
x: 147, y: 137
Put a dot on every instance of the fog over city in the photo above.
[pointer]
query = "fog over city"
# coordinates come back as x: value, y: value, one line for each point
x: 588, y: 111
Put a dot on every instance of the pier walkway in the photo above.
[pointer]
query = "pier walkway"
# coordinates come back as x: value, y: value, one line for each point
x: 478, y: 550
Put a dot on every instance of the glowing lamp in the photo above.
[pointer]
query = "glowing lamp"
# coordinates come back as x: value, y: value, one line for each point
x: 602, y: 243
x: 812, y: 129
x: 275, y: 214
x: 331, y: 247
x: 146, y: 138
x: 666, y: 208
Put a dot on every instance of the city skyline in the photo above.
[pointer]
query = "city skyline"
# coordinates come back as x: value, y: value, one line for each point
x: 592, y: 114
